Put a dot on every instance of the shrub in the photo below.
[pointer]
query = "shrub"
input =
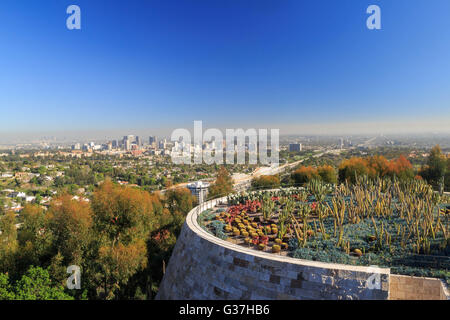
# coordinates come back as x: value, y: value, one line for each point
x: 266, y: 182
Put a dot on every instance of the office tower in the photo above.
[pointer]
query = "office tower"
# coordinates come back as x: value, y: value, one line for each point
x: 152, y: 141
x: 127, y: 141
x: 295, y: 147
x: 76, y: 146
x: 162, y: 144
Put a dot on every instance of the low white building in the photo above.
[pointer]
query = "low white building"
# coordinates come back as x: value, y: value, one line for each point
x: 199, y: 189
x: 30, y: 198
x: 16, y: 194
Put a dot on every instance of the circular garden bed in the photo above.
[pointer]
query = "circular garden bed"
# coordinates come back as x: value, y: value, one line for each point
x: 401, y: 225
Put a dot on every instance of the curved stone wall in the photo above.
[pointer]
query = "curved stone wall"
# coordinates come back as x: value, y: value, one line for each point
x: 205, y: 267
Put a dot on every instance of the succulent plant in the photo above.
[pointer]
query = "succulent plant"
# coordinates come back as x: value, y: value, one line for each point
x: 380, y: 219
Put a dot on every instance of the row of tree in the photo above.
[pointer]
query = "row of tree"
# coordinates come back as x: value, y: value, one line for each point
x: 375, y: 166
x: 436, y: 171
x: 305, y: 174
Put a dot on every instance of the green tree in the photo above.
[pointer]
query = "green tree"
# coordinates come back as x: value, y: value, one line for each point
x: 37, y: 285
x: 179, y: 201
x: 447, y: 176
x: 70, y: 222
x: 6, y: 291
x: 223, y: 184
x: 304, y: 175
x: 327, y: 174
x: 42, y: 170
x: 8, y: 241
x: 266, y: 182
x: 35, y: 239
x: 436, y: 167
x: 123, y: 219
x: 351, y: 168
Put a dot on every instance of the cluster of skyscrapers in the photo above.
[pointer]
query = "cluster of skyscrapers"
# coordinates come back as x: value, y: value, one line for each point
x: 127, y: 143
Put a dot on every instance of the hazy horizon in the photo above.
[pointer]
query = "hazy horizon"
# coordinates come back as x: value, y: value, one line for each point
x: 336, y: 129
x: 304, y: 67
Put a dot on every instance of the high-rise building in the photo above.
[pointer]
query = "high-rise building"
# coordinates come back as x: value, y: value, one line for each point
x: 295, y: 147
x: 76, y: 146
x: 138, y: 141
x: 153, y: 141
x: 162, y: 144
x: 127, y: 141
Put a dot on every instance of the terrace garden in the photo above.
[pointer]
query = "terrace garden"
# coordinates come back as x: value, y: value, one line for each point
x: 403, y: 225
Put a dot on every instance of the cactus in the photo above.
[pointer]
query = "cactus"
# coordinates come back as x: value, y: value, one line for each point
x: 276, y: 248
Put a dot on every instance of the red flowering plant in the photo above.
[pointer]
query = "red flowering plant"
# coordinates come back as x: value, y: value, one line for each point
x: 253, y: 206
x: 249, y: 206
x: 264, y: 240
x: 233, y: 211
x: 313, y: 206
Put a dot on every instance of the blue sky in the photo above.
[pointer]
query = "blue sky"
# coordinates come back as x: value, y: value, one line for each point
x: 163, y: 63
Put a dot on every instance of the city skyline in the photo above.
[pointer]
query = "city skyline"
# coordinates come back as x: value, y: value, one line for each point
x: 336, y: 129
x: 302, y: 67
